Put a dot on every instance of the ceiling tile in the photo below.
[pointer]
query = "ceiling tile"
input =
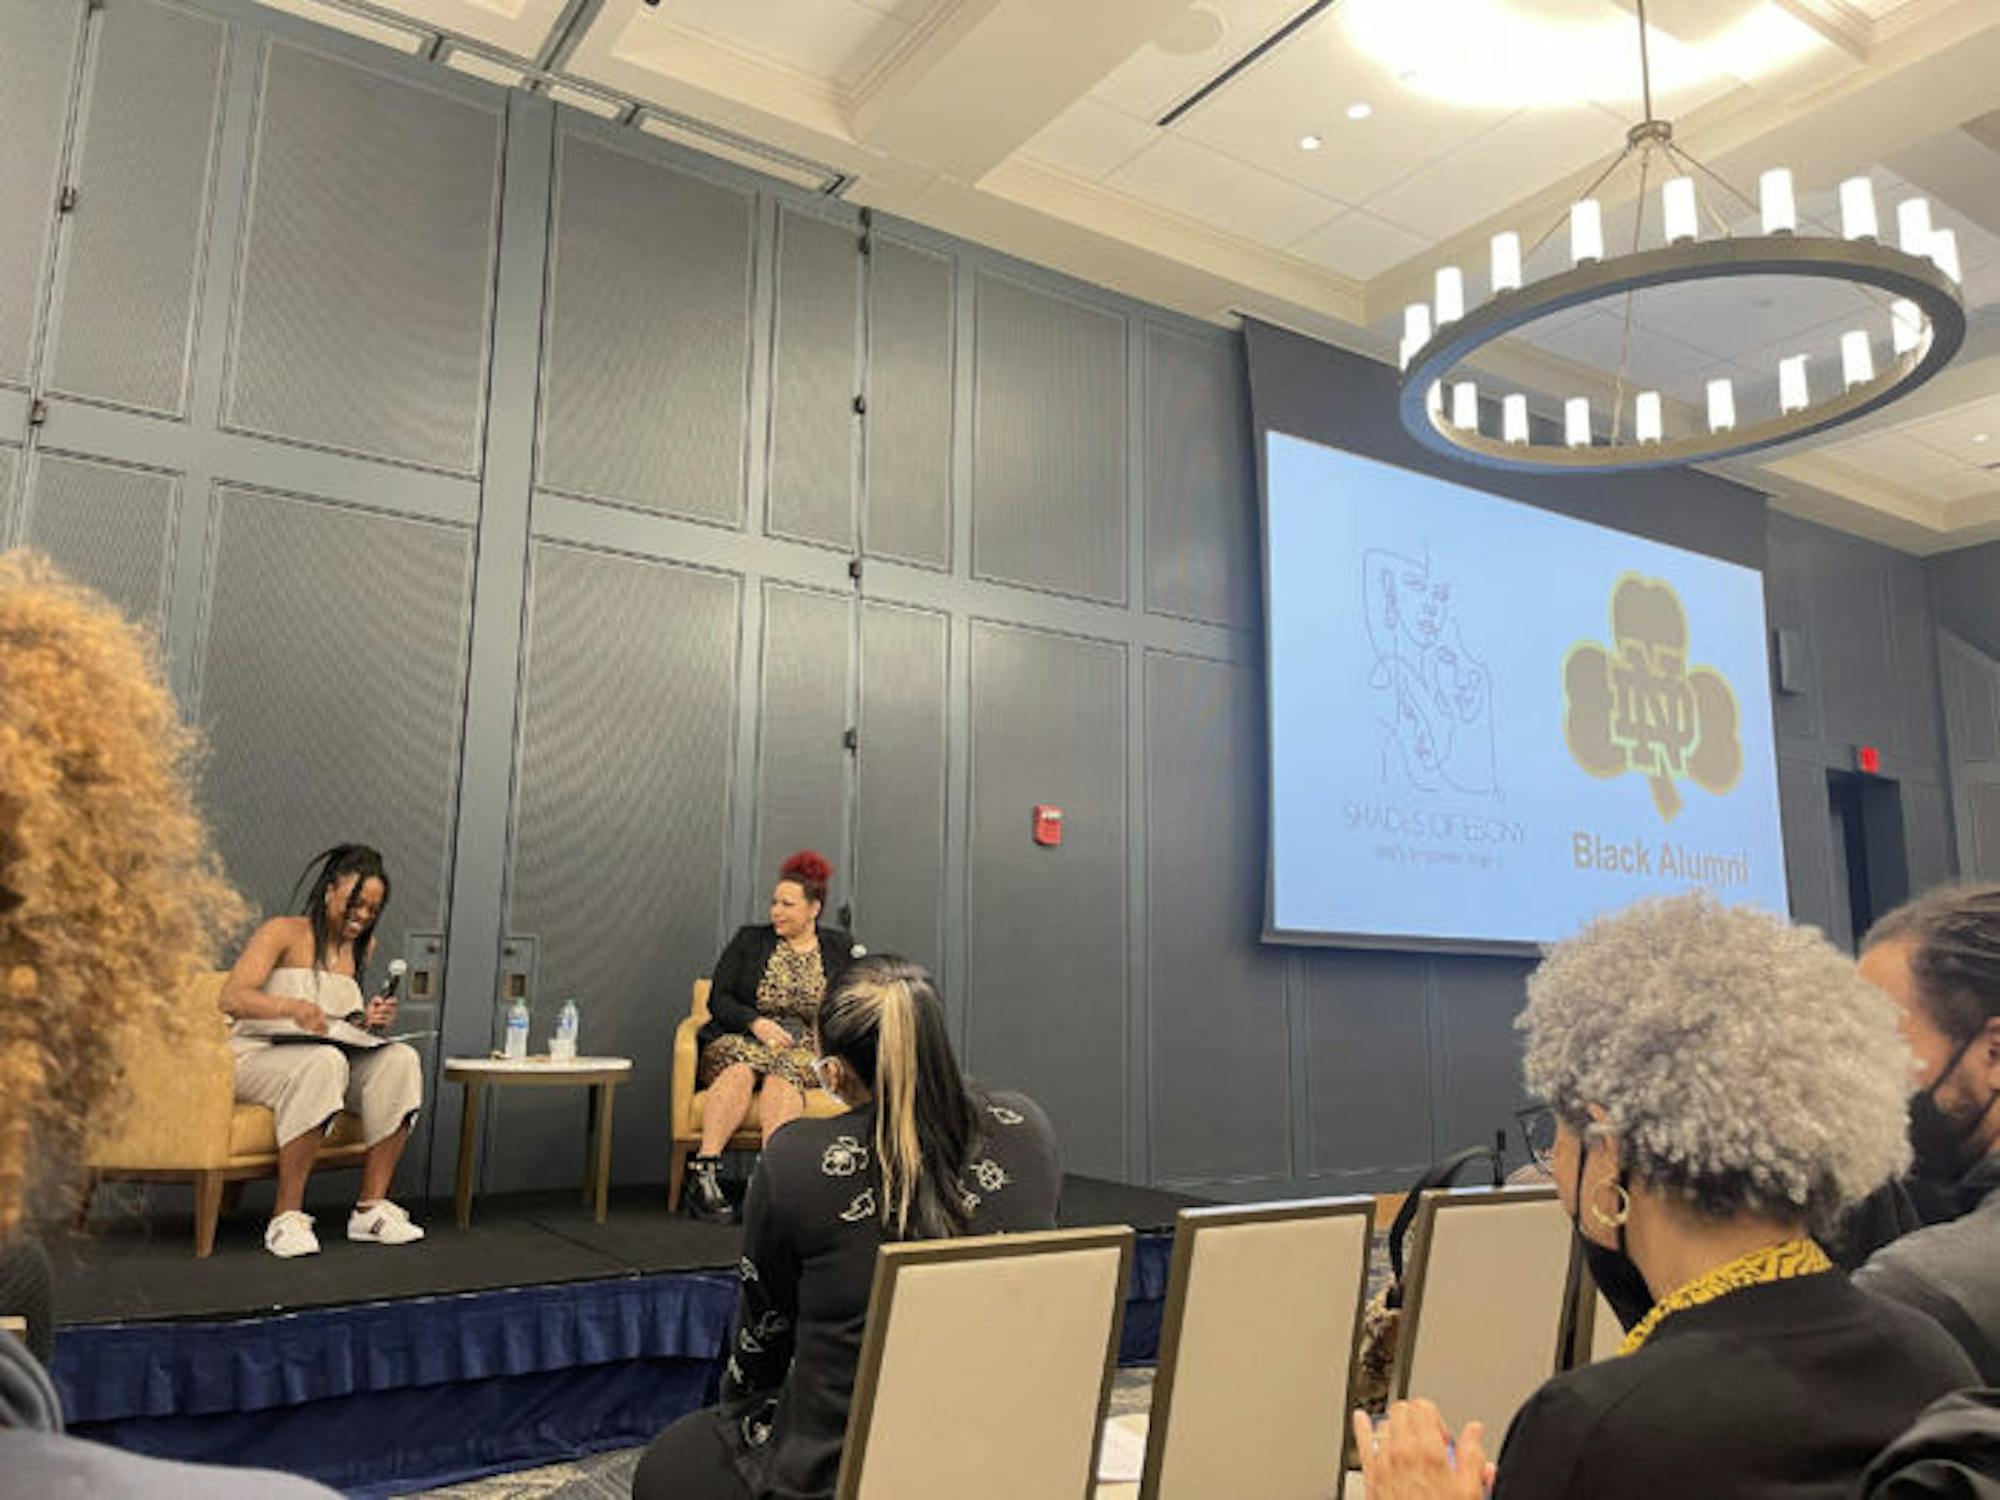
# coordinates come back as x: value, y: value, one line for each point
x: 1515, y: 159
x: 1202, y: 184
x: 1892, y: 456
x: 1360, y: 245
x: 1953, y: 432
x: 1089, y: 139
x: 401, y: 38
x: 1306, y: 87
x: 836, y: 41
x: 1153, y: 80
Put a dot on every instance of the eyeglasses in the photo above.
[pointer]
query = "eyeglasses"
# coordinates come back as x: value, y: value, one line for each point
x: 1538, y: 1133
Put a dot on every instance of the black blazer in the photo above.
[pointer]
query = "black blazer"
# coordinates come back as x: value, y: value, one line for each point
x: 732, y: 995
x: 1784, y: 1389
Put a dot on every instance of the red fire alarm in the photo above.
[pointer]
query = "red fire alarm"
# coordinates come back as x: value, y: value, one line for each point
x: 1048, y: 825
x: 1868, y: 759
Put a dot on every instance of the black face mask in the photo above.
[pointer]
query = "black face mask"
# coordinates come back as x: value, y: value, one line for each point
x: 1620, y: 1281
x: 1937, y: 1141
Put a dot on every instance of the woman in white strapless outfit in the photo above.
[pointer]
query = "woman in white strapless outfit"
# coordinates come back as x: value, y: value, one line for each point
x: 308, y: 969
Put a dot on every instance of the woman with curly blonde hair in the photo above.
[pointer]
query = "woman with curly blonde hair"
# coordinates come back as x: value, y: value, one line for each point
x: 111, y: 900
x: 1724, y: 1085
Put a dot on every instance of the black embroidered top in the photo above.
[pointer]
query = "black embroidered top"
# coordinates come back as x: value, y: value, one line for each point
x: 811, y: 1229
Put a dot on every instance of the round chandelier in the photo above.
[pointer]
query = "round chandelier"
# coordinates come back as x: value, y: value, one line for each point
x: 1916, y: 310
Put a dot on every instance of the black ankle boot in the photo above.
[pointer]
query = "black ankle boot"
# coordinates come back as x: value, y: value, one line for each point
x: 705, y: 1199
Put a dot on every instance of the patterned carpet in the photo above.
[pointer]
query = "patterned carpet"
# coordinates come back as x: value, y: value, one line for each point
x: 608, y: 1476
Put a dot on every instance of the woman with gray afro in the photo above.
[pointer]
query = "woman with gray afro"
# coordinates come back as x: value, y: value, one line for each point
x: 1724, y: 1084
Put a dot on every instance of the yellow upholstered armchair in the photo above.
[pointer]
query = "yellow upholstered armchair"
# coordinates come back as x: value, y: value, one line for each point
x: 181, y: 1122
x: 685, y: 1103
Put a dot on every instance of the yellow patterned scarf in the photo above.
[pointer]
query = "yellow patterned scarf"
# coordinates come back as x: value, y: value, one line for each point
x: 1800, y: 1257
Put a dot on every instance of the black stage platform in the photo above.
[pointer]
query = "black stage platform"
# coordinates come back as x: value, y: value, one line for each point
x: 127, y: 1267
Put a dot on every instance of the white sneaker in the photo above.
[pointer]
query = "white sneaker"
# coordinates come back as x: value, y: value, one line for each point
x: 384, y: 1224
x: 291, y: 1234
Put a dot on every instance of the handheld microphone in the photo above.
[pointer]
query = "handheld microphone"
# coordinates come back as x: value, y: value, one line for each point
x: 397, y: 969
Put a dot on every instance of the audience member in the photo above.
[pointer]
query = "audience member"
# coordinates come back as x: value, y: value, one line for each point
x: 1938, y: 958
x: 921, y: 1154
x: 1725, y: 1084
x: 110, y: 901
x: 305, y: 971
x: 767, y: 986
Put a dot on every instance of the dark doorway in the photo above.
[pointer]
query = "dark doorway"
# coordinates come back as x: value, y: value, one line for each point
x: 1868, y: 846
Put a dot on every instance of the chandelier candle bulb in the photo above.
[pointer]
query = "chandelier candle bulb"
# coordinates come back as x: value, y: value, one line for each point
x: 1721, y: 406
x: 1417, y: 324
x: 1792, y: 394
x: 1465, y: 405
x: 1913, y: 225
x: 1677, y: 200
x: 1450, y: 295
x: 1576, y: 422
x: 1506, y: 262
x: 1906, y: 326
x: 1434, y: 399
x: 1857, y: 210
x: 1857, y: 360
x: 1774, y: 194
x: 1586, y: 231
x: 1944, y: 252
x: 1514, y: 419
x: 1646, y: 411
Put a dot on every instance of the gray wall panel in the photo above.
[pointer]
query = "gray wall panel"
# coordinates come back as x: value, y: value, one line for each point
x: 1965, y: 587
x: 108, y: 526
x: 37, y: 64
x: 910, y: 355
x: 9, y: 461
x: 1047, y: 990
x: 1927, y: 834
x: 366, y: 277
x: 1217, y: 1024
x: 1048, y: 444
x: 899, y: 814
x: 1479, y: 1051
x: 619, y: 832
x: 332, y: 692
x: 1788, y: 599
x: 647, y: 357
x: 125, y: 312
x: 1809, y: 868
x: 801, y: 763
x: 1201, y: 498
x: 815, y: 375
x: 1368, y: 1111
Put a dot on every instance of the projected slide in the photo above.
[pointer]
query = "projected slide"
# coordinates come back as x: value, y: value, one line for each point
x: 1489, y: 722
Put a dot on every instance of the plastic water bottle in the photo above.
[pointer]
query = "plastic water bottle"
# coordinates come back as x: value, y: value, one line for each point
x: 517, y: 1031
x: 563, y: 1047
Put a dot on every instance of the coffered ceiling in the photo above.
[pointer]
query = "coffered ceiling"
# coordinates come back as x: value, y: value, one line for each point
x: 1348, y: 150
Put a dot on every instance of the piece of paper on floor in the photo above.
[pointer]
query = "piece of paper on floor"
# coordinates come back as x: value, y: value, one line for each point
x: 1122, y: 1456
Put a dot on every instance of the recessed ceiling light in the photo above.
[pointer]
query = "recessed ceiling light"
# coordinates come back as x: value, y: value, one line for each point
x: 1309, y: 143
x: 1360, y: 111
x: 1980, y: 437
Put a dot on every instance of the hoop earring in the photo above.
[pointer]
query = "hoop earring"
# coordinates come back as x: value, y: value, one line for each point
x: 1617, y: 1218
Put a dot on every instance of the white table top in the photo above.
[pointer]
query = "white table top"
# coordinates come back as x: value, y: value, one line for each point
x: 537, y: 1064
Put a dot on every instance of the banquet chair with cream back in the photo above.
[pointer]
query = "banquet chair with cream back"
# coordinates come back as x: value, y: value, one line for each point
x: 986, y: 1366
x: 1256, y: 1352
x: 1488, y: 1304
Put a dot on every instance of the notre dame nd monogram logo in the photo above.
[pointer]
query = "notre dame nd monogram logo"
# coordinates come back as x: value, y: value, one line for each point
x: 1637, y: 705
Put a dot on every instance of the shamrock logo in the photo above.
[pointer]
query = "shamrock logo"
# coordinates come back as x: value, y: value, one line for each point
x: 1636, y: 705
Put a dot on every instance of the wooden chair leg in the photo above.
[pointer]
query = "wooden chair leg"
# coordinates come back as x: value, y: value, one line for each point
x: 207, y: 1208
x: 85, y: 1191
x: 232, y: 1196
x: 677, y: 1162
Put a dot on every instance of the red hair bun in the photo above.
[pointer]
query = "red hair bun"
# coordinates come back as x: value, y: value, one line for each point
x: 807, y: 867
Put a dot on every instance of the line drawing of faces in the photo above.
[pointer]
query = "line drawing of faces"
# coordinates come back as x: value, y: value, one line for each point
x: 1432, y: 697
